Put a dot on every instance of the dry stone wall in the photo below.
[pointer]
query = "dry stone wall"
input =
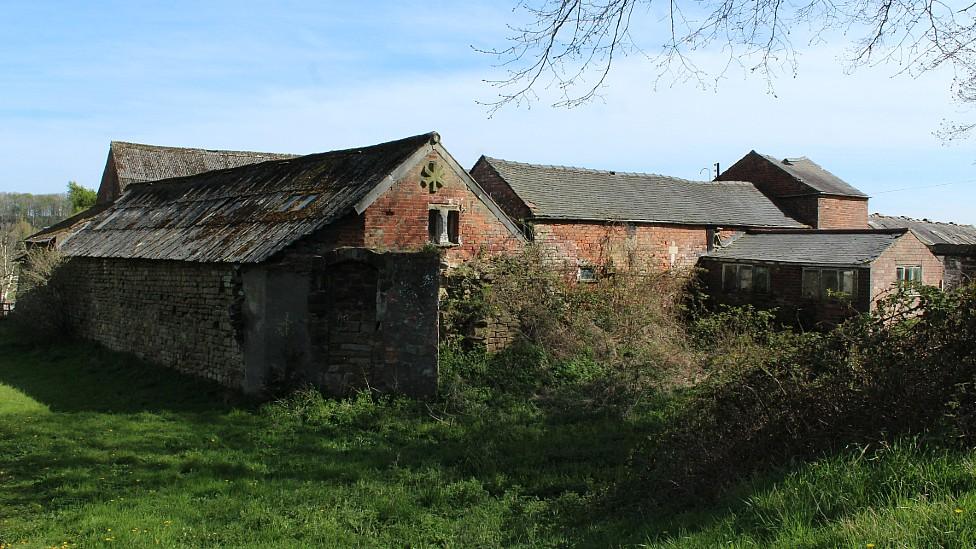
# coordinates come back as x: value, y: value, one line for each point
x: 182, y: 315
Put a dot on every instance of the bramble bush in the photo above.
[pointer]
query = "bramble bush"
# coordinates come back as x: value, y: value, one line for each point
x: 907, y: 369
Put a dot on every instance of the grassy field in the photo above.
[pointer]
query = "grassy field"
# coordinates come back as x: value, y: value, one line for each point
x: 97, y: 449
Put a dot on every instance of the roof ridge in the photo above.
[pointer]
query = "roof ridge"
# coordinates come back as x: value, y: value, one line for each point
x: 606, y: 172
x: 923, y: 220
x: 149, y: 146
x: 432, y: 137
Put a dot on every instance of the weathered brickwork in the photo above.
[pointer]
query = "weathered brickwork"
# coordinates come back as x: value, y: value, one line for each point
x: 786, y: 295
x: 651, y: 247
x: 795, y: 199
x: 181, y: 315
x: 398, y: 219
x: 959, y: 269
x: 499, y: 190
x: 906, y: 251
x: 837, y: 212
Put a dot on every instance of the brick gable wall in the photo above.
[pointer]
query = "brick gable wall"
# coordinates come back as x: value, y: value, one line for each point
x: 906, y: 251
x: 500, y: 191
x: 777, y: 185
x: 397, y: 220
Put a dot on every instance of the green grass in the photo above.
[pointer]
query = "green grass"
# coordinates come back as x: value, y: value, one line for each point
x: 98, y: 449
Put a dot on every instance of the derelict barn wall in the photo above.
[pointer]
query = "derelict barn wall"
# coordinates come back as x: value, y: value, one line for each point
x: 643, y: 246
x: 344, y: 320
x: 959, y: 269
x: 178, y: 314
x: 786, y: 295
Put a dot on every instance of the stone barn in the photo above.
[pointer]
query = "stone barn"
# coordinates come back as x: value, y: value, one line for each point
x: 129, y: 163
x: 323, y: 267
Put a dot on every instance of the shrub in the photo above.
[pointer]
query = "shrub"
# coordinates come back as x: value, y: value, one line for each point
x: 41, y: 313
x: 907, y: 369
x: 610, y: 341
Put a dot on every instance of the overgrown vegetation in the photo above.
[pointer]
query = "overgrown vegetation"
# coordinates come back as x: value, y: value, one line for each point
x: 41, y: 313
x: 619, y: 417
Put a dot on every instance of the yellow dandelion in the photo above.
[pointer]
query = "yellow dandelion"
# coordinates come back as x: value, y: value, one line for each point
x: 957, y: 511
x: 870, y: 546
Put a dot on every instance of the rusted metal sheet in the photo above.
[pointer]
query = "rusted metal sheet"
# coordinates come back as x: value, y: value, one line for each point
x: 238, y: 215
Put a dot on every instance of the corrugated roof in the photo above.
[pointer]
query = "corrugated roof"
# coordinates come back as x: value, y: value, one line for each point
x: 814, y: 176
x: 559, y: 192
x: 49, y: 232
x: 138, y: 163
x: 929, y: 232
x: 242, y: 214
x: 829, y: 247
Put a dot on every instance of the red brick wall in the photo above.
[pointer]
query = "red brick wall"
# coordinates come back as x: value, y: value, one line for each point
x: 623, y: 244
x: 907, y: 250
x: 786, y: 295
x: 841, y: 212
x: 499, y: 190
x: 397, y: 220
x: 775, y: 184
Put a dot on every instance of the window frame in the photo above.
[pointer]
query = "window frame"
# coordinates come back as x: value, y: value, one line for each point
x: 448, y: 225
x: 734, y: 279
x: 824, y: 293
x: 908, y: 277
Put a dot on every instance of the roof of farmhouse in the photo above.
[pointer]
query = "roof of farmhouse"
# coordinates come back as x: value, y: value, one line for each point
x: 560, y: 192
x: 820, y: 247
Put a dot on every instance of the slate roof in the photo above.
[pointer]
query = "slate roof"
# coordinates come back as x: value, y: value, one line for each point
x: 560, y: 192
x: 932, y: 233
x: 814, y: 176
x: 244, y: 214
x: 138, y: 163
x: 812, y: 247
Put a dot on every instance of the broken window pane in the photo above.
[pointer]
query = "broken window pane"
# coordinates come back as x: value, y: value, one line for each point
x: 745, y: 278
x: 760, y: 279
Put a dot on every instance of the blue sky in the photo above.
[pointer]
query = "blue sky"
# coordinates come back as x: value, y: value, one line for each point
x: 304, y: 77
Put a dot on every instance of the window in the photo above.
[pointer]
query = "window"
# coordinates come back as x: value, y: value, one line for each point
x: 443, y: 224
x: 745, y: 278
x: 825, y: 284
x: 908, y: 276
x: 586, y: 274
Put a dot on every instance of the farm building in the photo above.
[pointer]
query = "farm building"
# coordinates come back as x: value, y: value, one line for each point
x: 818, y: 276
x: 953, y: 244
x: 323, y: 267
x: 129, y: 163
x: 592, y: 219
x: 804, y: 190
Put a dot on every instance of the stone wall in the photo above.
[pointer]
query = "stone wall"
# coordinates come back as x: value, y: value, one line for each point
x: 959, y: 269
x: 183, y: 315
x: 344, y: 320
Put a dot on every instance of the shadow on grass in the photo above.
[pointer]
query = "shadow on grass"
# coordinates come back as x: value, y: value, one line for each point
x: 82, y: 376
